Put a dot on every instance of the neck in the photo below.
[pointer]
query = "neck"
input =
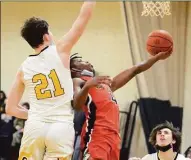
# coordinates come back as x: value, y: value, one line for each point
x: 40, y: 48
x: 168, y: 155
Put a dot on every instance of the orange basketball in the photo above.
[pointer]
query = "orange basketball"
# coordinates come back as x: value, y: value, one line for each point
x: 159, y: 41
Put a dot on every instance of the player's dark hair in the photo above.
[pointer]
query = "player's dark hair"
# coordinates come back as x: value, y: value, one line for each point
x: 26, y: 104
x: 33, y: 31
x: 75, y: 56
x: 187, y: 151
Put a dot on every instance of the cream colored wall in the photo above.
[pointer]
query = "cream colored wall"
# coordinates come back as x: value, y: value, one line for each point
x: 187, y: 91
x: 104, y: 43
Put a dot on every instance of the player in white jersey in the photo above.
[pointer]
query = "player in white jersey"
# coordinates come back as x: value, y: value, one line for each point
x: 166, y: 139
x: 48, y: 132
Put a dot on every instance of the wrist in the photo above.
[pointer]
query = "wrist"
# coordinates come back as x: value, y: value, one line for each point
x: 156, y: 57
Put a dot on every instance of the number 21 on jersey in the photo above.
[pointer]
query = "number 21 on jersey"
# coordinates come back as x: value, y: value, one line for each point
x: 41, y: 90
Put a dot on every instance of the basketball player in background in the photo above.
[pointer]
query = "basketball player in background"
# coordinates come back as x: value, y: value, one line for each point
x: 166, y: 139
x: 100, y: 139
x: 46, y: 76
x: 188, y: 152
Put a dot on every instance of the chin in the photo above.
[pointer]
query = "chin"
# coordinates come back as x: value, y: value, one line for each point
x: 163, y: 144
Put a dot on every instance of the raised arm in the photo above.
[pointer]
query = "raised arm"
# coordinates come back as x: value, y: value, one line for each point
x: 12, y: 106
x: 121, y: 79
x: 66, y: 43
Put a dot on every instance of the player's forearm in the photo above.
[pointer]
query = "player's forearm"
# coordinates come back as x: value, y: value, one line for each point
x: 70, y: 38
x: 146, y: 64
x: 83, y: 18
x: 121, y: 79
x: 17, y: 111
x: 81, y: 97
x: 87, y: 7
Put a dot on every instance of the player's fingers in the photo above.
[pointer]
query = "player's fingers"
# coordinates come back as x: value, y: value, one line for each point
x: 104, y: 78
x: 107, y: 82
x: 169, y: 50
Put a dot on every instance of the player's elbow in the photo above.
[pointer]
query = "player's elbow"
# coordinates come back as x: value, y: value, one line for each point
x: 76, y: 105
x: 9, y: 109
x: 77, y: 108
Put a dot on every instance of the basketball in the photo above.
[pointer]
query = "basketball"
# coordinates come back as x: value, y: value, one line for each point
x: 159, y: 41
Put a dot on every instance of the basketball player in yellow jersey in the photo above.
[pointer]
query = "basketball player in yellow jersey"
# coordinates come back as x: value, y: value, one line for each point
x: 48, y: 132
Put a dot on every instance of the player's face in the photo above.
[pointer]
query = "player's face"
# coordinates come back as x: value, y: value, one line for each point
x: 189, y: 153
x: 81, y: 65
x: 1, y: 95
x: 25, y: 106
x: 164, y: 137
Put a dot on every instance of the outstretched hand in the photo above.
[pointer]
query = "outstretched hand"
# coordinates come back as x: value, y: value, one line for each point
x: 165, y: 55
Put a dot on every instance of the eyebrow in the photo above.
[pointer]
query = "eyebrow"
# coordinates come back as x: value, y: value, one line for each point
x: 164, y: 131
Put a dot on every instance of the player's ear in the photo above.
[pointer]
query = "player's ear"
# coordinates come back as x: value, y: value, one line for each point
x: 46, y: 37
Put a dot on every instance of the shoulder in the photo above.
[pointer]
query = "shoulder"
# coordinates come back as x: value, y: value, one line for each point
x: 150, y: 156
x: 182, y: 157
x: 28, y: 62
